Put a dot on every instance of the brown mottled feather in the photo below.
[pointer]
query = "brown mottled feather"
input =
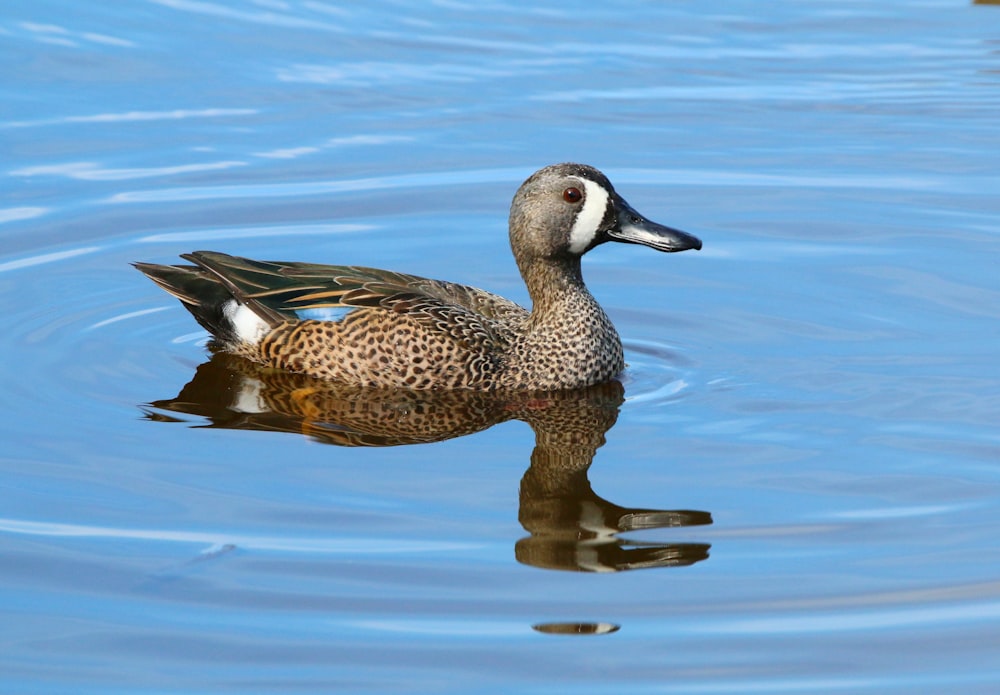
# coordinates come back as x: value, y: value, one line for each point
x: 399, y: 330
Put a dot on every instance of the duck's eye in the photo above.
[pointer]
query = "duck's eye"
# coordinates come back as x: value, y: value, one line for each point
x: 572, y: 195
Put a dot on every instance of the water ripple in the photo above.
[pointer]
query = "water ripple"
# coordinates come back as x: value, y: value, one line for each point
x: 134, y: 117
x: 61, y: 36
x: 88, y: 171
x: 44, y: 258
x: 270, y: 19
x: 21, y: 213
x: 656, y: 373
x: 339, y: 545
x: 275, y: 231
x: 841, y: 621
x: 272, y: 190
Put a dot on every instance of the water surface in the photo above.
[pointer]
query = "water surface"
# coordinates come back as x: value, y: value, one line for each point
x: 799, y: 486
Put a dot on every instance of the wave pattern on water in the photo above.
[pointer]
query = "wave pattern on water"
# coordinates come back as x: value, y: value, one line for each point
x: 812, y: 399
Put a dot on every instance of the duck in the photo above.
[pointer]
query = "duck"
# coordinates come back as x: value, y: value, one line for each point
x: 383, y: 329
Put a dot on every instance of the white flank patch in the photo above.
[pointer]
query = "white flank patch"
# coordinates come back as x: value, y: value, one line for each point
x: 588, y: 220
x: 248, y: 327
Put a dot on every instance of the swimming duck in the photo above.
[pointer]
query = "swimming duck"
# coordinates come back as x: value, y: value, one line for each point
x: 380, y: 328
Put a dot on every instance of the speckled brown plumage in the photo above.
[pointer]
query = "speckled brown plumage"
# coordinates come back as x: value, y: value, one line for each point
x: 388, y: 329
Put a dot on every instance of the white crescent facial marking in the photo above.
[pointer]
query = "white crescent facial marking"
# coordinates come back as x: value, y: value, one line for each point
x: 248, y: 327
x: 588, y: 220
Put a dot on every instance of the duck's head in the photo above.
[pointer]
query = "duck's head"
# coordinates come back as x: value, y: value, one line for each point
x: 564, y: 210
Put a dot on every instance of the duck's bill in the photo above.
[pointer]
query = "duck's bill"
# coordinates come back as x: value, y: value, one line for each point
x: 633, y: 228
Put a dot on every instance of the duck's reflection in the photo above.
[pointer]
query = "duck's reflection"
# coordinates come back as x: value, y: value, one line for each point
x: 571, y: 527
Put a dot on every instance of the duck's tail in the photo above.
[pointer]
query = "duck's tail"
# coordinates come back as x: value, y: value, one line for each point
x: 212, y: 301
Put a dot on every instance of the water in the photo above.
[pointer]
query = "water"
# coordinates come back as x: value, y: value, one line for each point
x: 806, y: 457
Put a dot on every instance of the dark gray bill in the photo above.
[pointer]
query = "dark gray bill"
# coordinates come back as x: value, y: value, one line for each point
x: 633, y: 228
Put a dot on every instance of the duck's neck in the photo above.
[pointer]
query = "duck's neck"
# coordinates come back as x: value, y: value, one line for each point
x: 552, y: 283
x: 563, y: 307
x: 555, y: 287
x: 568, y: 340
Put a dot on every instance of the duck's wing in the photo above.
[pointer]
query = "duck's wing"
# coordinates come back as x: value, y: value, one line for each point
x: 280, y: 292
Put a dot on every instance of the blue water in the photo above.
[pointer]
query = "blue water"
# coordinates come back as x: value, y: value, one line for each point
x: 819, y: 387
